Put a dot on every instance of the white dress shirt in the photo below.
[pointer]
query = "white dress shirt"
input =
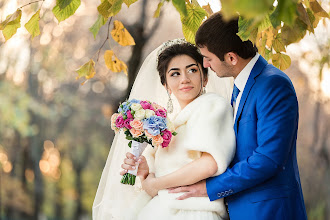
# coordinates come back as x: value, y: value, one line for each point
x: 242, y: 79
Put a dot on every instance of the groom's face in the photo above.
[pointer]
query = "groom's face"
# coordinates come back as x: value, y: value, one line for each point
x: 221, y: 68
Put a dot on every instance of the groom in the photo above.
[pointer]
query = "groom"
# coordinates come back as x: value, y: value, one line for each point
x: 262, y: 181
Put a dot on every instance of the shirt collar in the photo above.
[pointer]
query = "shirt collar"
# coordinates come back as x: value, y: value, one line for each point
x: 243, y: 76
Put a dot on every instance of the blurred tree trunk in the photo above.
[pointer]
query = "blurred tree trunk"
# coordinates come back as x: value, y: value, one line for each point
x: 138, y: 32
x: 79, y: 209
x: 36, y: 144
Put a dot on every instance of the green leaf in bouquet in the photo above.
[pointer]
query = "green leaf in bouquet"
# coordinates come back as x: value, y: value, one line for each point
x: 174, y: 133
x: 129, y: 138
x: 130, y: 144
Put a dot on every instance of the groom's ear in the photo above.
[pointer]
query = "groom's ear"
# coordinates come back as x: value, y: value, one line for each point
x: 232, y: 58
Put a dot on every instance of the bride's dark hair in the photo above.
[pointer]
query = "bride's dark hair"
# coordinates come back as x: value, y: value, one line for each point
x: 169, y: 53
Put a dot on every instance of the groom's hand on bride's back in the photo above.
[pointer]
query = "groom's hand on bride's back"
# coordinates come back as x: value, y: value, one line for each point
x: 195, y: 190
x: 130, y: 163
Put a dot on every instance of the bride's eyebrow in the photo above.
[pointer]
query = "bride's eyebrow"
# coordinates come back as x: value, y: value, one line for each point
x: 190, y: 65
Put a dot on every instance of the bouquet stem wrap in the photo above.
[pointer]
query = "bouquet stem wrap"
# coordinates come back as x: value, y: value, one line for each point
x: 136, y: 149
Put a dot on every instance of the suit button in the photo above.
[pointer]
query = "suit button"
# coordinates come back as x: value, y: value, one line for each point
x: 219, y: 195
x: 227, y: 193
x: 231, y: 191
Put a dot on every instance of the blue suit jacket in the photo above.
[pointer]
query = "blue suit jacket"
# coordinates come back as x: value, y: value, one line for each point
x: 263, y: 181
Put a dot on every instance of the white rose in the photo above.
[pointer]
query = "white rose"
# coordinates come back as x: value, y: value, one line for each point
x: 136, y: 107
x: 149, y: 113
x: 140, y: 114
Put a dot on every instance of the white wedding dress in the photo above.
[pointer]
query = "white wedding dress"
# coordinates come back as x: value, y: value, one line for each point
x: 204, y: 125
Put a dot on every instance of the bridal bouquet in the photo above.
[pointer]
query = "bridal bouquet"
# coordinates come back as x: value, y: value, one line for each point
x: 143, y: 123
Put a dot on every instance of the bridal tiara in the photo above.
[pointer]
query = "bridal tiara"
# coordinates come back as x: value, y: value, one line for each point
x: 170, y: 43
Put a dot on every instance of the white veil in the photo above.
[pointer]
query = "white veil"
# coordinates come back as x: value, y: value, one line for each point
x: 113, y: 198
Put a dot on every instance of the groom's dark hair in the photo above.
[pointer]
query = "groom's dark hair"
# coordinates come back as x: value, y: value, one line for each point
x: 220, y: 37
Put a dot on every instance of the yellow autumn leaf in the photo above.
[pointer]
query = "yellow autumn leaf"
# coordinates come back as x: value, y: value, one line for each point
x: 120, y: 34
x: 87, y: 70
x: 208, y: 9
x: 32, y: 26
x: 113, y: 63
x: 281, y: 61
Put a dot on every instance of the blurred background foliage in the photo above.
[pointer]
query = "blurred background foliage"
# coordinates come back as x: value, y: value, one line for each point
x: 55, y: 133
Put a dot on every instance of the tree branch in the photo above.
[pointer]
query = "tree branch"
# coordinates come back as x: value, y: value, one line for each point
x: 32, y: 3
x: 108, y: 35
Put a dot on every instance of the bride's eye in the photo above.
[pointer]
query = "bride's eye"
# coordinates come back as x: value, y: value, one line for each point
x: 192, y: 70
x: 175, y: 73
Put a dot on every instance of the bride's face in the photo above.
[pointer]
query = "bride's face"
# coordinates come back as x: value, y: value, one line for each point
x: 183, y: 78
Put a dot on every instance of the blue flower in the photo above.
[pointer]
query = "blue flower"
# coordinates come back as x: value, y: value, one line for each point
x: 134, y: 101
x: 151, y: 126
x: 160, y: 121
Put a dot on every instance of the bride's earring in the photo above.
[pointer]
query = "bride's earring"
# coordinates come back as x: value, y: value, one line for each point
x: 204, y: 91
x: 169, y: 104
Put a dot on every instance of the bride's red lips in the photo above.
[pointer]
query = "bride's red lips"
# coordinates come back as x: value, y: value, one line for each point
x: 185, y: 89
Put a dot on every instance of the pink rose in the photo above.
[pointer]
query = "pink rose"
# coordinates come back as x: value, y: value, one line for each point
x: 146, y: 105
x: 165, y: 144
x: 157, y: 140
x: 161, y: 113
x: 113, y: 120
x: 135, y: 133
x: 167, y: 136
x: 129, y: 114
x: 137, y: 124
x: 120, y: 121
x: 127, y: 123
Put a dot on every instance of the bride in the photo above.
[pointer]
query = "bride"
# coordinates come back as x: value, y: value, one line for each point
x: 204, y: 146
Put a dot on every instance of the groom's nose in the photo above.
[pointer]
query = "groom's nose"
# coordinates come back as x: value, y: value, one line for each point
x: 206, y: 63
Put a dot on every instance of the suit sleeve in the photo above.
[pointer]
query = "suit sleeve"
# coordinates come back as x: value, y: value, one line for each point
x: 277, y: 121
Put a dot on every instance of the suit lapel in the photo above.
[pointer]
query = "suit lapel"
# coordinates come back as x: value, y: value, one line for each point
x: 256, y: 70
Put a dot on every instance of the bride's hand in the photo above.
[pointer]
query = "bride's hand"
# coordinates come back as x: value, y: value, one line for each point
x: 130, y: 163
x: 143, y: 169
x: 150, y: 186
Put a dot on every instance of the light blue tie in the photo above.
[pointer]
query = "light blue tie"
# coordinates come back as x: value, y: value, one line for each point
x: 234, y: 95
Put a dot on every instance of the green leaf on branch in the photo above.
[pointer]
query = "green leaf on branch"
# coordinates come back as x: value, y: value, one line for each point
x: 70, y: 8
x: 62, y: 4
x: 115, y: 7
x: 129, y: 2
x: 97, y: 25
x: 303, y: 15
x: 87, y: 70
x: 281, y: 61
x: 180, y: 6
x: 11, y: 24
x: 278, y: 44
x: 317, y: 9
x: 191, y: 22
x: 247, y: 9
x: 103, y: 9
x: 293, y: 34
x: 32, y: 26
x: 157, y: 12
x: 244, y: 28
x: 286, y: 11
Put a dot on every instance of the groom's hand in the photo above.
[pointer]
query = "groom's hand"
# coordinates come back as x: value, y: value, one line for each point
x: 196, y: 190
